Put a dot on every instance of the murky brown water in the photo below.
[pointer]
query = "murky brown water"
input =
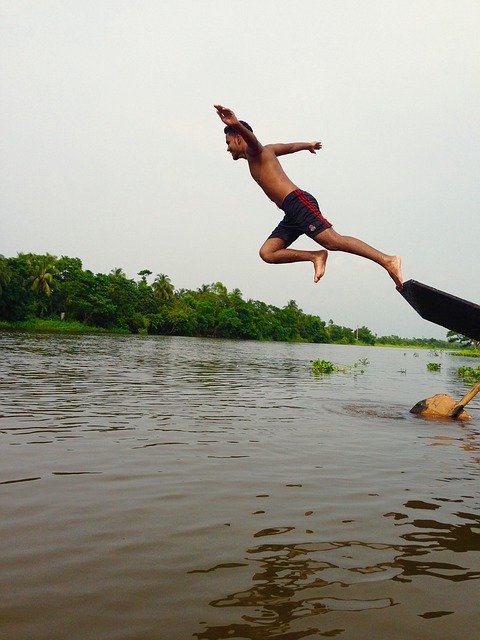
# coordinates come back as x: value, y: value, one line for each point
x: 174, y: 488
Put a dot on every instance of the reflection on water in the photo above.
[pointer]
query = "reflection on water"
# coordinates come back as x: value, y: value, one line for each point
x: 212, y: 489
x: 298, y: 583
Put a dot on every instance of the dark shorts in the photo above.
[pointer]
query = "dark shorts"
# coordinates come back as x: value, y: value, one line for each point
x: 302, y: 216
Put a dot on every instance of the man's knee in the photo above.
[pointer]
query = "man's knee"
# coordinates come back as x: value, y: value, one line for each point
x: 266, y: 254
x: 269, y: 249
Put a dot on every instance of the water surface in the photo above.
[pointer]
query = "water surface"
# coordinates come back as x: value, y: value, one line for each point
x: 174, y: 488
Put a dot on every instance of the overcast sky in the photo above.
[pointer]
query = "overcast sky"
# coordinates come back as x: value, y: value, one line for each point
x: 112, y: 151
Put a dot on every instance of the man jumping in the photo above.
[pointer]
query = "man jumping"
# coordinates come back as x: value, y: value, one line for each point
x: 302, y: 214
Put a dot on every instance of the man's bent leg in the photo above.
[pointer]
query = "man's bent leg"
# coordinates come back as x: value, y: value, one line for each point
x: 274, y: 251
x: 333, y: 241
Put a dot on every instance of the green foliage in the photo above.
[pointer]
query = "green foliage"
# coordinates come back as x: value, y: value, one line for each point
x: 460, y: 339
x: 43, y: 269
x: 45, y: 287
x: 340, y: 335
x: 466, y: 353
x: 5, y: 273
x: 434, y: 366
x: 396, y: 341
x: 162, y: 287
x: 320, y: 367
x: 17, y: 300
x: 323, y: 366
x: 469, y: 374
x: 365, y: 336
x: 52, y: 325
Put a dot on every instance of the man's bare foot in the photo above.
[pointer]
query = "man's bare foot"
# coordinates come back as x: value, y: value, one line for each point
x: 394, y: 268
x: 319, y: 264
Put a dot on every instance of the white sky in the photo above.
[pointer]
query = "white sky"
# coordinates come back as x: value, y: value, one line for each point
x: 112, y: 151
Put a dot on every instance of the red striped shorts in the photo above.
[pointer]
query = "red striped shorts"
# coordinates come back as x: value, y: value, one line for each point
x: 302, y: 216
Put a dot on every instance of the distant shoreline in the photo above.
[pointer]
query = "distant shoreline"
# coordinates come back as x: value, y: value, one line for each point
x: 53, y: 326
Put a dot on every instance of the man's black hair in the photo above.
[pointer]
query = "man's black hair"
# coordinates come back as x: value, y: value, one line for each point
x: 230, y: 129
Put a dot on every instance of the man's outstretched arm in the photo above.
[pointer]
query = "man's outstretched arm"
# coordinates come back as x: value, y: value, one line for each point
x: 280, y: 149
x: 228, y: 117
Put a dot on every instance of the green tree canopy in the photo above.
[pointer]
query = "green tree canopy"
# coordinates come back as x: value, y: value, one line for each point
x: 42, y: 285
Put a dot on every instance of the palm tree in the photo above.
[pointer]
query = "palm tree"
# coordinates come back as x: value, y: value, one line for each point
x: 43, y: 270
x: 205, y: 288
x: 162, y: 287
x: 118, y: 272
x: 235, y: 297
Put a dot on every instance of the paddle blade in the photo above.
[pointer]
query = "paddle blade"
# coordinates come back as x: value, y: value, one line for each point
x: 438, y: 406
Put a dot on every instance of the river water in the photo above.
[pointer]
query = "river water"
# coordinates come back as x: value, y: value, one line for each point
x: 160, y: 488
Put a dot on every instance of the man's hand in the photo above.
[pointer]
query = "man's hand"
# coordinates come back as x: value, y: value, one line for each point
x: 226, y: 115
x: 314, y: 147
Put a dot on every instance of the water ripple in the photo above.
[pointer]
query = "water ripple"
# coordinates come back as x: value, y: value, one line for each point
x: 224, y: 481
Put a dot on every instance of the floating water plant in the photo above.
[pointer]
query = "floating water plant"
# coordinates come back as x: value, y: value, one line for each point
x: 321, y: 367
x: 469, y: 374
x: 434, y: 366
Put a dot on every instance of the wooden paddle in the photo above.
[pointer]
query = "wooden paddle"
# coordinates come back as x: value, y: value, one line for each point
x: 443, y: 406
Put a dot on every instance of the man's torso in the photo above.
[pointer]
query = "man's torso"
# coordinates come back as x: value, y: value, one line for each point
x: 268, y: 173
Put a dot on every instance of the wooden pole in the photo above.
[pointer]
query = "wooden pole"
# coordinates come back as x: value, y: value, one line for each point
x: 458, y: 408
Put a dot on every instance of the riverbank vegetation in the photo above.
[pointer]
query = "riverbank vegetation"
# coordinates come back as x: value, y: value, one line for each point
x: 46, y: 293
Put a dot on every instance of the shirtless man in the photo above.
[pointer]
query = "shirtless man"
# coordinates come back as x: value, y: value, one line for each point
x: 302, y: 215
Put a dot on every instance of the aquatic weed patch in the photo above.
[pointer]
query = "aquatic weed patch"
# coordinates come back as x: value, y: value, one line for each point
x: 433, y: 366
x: 469, y: 374
x: 321, y: 367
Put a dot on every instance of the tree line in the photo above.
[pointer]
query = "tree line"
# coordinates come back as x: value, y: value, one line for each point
x: 43, y: 286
